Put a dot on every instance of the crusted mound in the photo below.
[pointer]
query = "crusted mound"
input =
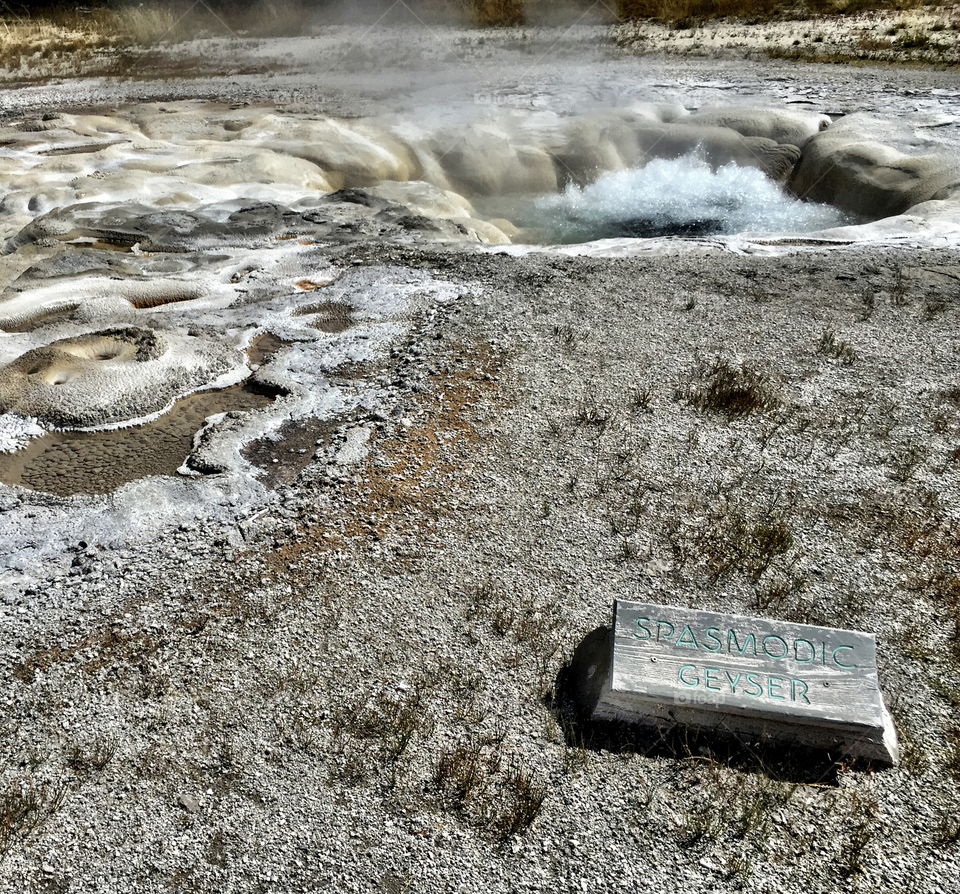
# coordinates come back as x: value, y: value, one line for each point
x: 111, y: 376
x: 849, y: 167
x: 248, y: 173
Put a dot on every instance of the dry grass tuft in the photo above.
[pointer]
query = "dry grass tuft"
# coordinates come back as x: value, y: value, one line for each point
x: 473, y: 781
x: 836, y: 348
x: 75, y: 30
x: 738, y: 542
x: 723, y: 387
x: 142, y: 25
x: 499, y: 12
x: 24, y: 806
x: 687, y: 12
x: 682, y: 11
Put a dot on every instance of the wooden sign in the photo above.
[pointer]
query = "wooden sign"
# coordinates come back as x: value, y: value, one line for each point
x: 813, y: 686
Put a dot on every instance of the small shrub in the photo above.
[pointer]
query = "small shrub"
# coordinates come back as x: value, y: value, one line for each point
x: 701, y: 825
x: 720, y: 386
x: 472, y: 780
x: 461, y: 773
x: 24, y: 806
x: 854, y: 855
x: 776, y: 593
x: 915, y: 40
x: 489, y: 13
x: 953, y: 759
x: 916, y: 644
x: 567, y: 335
x: 87, y: 761
x: 899, y: 290
x: 836, y: 348
x: 948, y: 832
x: 932, y: 308
x: 904, y: 465
x: 594, y: 414
x: 640, y: 399
x: 744, y: 544
x: 390, y: 720
x: 525, y: 799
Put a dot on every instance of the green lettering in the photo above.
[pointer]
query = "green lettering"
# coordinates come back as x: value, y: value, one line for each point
x: 837, y: 661
x: 696, y: 677
x: 794, y: 686
x: 734, y: 680
x: 775, y: 638
x: 749, y: 639
x: 753, y: 681
x: 711, y: 633
x: 771, y: 681
x: 796, y: 651
x: 711, y: 675
x: 660, y: 626
x: 641, y: 623
x: 691, y: 642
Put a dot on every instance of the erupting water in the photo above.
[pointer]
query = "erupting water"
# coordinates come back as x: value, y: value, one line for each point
x: 676, y: 197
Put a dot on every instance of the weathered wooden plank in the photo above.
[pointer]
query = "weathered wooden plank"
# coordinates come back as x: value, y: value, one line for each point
x: 815, y: 686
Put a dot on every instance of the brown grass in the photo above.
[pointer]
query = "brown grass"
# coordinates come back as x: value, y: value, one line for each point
x: 71, y: 29
x: 405, y: 485
x: 499, y: 12
x: 723, y: 387
x: 683, y: 10
x: 689, y: 11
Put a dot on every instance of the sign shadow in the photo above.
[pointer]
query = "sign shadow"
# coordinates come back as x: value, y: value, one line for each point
x: 578, y: 686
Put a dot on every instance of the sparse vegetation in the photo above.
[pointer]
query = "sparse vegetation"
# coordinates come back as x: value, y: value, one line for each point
x: 915, y: 40
x: 948, y: 832
x: 24, y: 806
x: 855, y: 853
x: 69, y: 29
x: 899, y: 289
x: 472, y: 780
x: 691, y: 11
x: 567, y: 335
x: 728, y: 389
x: 499, y: 12
x: 94, y: 758
x: 640, y: 399
x: 461, y: 773
x: 388, y: 719
x: 64, y: 28
x: 904, y: 465
x: 309, y: 675
x: 594, y: 413
x: 836, y: 348
x: 738, y: 542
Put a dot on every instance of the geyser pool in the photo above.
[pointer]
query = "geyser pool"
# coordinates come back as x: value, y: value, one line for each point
x: 200, y: 222
x: 673, y: 197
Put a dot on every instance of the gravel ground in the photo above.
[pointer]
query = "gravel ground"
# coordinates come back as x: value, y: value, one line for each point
x: 361, y: 693
x: 361, y: 688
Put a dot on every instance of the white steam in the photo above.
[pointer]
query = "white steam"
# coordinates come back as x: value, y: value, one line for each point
x: 682, y: 196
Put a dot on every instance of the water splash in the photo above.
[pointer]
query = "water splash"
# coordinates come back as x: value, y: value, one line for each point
x: 677, y: 197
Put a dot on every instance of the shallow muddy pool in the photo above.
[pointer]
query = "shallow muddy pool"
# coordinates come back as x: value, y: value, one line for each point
x: 80, y: 462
